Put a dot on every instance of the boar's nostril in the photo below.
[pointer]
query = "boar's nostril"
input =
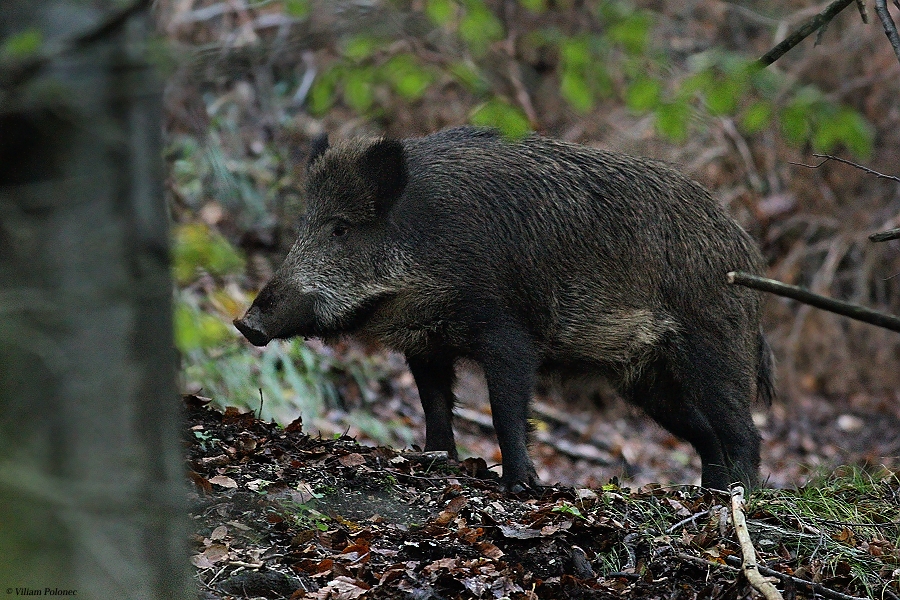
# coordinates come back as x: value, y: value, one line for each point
x: 252, y: 332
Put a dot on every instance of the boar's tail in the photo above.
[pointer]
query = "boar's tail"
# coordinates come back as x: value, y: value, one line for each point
x: 765, y: 371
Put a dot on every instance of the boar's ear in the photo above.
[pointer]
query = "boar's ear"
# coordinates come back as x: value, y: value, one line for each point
x: 317, y: 148
x: 384, y: 164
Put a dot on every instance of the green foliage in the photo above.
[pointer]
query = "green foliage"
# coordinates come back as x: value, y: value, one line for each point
x: 479, y: 27
x: 620, y: 61
x: 643, y: 94
x: 197, y: 248
x: 22, y: 45
x: 291, y: 376
x: 298, y: 9
x: 441, y: 12
x: 535, y: 6
x: 409, y: 79
x: 673, y: 119
x: 632, y: 32
x: 510, y: 120
x: 197, y: 329
x: 575, y: 54
x: 567, y: 508
x: 809, y: 118
x: 358, y: 91
x: 361, y: 47
x: 757, y: 117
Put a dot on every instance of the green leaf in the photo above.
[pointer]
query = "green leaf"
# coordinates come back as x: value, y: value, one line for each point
x: 468, y: 75
x: 575, y: 89
x: 480, y: 27
x: 845, y: 128
x: 643, y: 94
x: 407, y: 77
x: 757, y: 116
x: 361, y: 47
x: 198, y: 248
x: 511, y: 121
x: 722, y: 96
x: 632, y: 33
x: 358, y: 93
x: 322, y: 94
x: 22, y: 45
x: 535, y: 6
x: 672, y: 119
x: 440, y: 12
x: 796, y: 122
x: 575, y: 52
x: 297, y: 8
x: 699, y: 81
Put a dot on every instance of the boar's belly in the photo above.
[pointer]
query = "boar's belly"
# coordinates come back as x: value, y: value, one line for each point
x: 601, y: 338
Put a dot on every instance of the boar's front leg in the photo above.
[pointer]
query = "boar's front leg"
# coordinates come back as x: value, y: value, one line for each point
x: 510, y: 363
x: 434, y: 377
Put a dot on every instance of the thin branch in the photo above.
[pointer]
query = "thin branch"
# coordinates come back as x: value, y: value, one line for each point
x: 817, y: 22
x: 863, y: 13
x: 748, y: 564
x: 890, y: 29
x: 883, y: 236
x: 691, y: 519
x: 827, y: 157
x: 854, y: 311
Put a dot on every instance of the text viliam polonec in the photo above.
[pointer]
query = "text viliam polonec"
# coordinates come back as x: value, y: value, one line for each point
x: 27, y: 591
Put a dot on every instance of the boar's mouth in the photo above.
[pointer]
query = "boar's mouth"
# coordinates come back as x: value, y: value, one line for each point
x: 260, y: 327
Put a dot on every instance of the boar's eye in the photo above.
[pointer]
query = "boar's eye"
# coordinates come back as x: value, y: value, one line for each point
x: 338, y: 229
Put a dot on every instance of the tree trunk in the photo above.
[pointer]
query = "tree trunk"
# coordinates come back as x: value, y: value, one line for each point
x: 91, y: 480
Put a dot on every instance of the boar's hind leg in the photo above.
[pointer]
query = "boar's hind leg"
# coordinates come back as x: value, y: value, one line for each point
x: 703, y: 401
x: 434, y: 377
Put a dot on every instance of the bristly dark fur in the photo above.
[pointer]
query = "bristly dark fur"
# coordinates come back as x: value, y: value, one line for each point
x: 527, y: 256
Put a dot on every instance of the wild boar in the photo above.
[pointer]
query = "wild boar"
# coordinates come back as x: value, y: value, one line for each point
x: 525, y: 257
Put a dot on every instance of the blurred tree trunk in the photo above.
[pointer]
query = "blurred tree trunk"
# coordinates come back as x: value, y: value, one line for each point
x: 91, y: 495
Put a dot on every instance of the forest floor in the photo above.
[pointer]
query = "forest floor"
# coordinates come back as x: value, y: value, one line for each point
x: 282, y: 514
x: 585, y: 435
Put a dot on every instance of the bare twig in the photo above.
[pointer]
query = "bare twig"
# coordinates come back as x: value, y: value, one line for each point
x: 863, y: 13
x: 695, y: 517
x: 883, y: 236
x: 826, y: 157
x: 748, y: 565
x: 847, y: 309
x: 817, y: 22
x: 890, y: 29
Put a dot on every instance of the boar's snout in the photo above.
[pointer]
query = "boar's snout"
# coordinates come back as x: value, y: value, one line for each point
x: 252, y: 329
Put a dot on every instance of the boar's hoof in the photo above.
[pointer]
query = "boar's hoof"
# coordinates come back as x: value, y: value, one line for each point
x: 531, y: 483
x: 254, y: 334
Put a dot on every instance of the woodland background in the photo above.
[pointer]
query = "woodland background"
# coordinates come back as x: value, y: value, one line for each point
x: 250, y: 83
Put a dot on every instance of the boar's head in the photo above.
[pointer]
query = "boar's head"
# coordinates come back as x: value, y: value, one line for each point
x: 346, y: 259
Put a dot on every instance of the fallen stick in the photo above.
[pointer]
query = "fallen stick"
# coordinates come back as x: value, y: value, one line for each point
x: 847, y: 309
x: 748, y: 564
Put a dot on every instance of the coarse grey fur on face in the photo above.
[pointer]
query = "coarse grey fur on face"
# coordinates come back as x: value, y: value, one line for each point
x: 531, y: 256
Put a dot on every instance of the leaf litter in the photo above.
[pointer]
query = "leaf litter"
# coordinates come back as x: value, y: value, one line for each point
x: 282, y: 514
